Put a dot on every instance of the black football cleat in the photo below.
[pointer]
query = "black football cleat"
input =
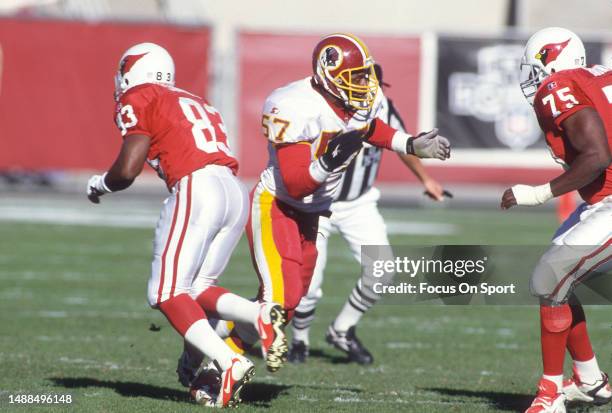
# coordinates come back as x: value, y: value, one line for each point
x: 298, y: 353
x: 350, y: 344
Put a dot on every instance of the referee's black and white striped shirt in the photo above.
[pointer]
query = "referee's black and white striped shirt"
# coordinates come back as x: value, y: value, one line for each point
x: 361, y: 172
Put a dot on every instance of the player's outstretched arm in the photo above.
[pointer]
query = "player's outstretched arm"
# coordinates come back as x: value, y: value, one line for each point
x: 424, y: 145
x: 586, y: 133
x: 125, y: 169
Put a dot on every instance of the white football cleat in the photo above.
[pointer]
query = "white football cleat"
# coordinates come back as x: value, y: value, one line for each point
x: 548, y: 399
x: 598, y: 393
x: 270, y: 327
x: 233, y: 379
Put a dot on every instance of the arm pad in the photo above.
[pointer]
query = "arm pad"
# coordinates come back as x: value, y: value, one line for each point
x: 383, y: 136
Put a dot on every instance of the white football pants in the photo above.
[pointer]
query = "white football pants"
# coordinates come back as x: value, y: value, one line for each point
x: 200, y: 224
x: 581, y: 246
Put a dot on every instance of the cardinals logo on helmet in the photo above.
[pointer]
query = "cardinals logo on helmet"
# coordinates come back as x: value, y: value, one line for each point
x: 549, y: 52
x: 128, y: 62
x: 331, y: 57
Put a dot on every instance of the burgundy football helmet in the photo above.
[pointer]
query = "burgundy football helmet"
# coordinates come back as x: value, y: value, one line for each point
x: 344, y: 68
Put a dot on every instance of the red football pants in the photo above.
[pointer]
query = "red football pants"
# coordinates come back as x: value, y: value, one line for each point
x: 283, y: 248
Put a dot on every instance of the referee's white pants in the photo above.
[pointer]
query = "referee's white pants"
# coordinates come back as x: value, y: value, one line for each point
x: 360, y: 223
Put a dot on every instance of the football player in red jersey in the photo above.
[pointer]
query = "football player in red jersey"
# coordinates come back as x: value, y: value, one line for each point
x: 573, y: 104
x: 183, y: 138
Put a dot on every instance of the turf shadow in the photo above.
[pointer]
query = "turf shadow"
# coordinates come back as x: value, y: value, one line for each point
x: 501, y: 400
x: 124, y: 388
x: 318, y: 353
x: 261, y: 394
x: 258, y: 394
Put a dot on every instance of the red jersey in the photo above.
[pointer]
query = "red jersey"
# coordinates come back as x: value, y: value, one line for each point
x: 565, y: 93
x: 186, y: 133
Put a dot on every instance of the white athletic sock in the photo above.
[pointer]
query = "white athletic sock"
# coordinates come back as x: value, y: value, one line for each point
x: 348, y: 317
x: 201, y: 335
x: 302, y: 320
x: 301, y: 334
x: 232, y: 307
x: 558, y: 380
x: 588, y: 370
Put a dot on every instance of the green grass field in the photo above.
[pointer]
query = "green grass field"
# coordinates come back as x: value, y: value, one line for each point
x: 74, y: 319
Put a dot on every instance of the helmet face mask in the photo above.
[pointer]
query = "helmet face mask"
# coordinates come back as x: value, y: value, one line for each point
x: 358, y: 85
x: 531, y: 77
x: 344, y: 68
x: 144, y: 63
x: 548, y: 51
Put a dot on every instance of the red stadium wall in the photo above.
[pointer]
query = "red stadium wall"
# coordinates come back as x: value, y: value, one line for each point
x: 268, y: 61
x: 56, y: 87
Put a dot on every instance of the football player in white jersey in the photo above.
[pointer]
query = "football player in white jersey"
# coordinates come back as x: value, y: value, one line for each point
x: 356, y: 203
x: 315, y: 127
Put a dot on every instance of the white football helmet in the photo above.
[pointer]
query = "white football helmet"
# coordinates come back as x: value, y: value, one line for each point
x: 144, y: 63
x: 548, y: 51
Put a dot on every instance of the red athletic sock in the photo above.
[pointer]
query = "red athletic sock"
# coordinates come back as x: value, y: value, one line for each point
x: 182, y: 311
x: 578, y: 342
x: 555, y: 324
x: 208, y: 300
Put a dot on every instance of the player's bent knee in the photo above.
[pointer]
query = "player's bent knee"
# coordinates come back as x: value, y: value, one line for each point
x: 310, y: 300
x: 556, y: 319
x: 544, y: 278
x: 292, y: 299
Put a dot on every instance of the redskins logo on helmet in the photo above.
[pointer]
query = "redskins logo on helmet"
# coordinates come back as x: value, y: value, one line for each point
x: 344, y: 68
x: 331, y: 57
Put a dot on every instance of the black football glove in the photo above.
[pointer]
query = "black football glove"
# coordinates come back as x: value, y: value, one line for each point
x: 341, y: 150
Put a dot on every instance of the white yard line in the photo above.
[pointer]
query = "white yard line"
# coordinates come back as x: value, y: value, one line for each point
x: 64, y: 214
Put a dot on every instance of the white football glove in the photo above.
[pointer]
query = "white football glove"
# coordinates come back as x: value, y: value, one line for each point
x: 429, y: 145
x: 531, y: 195
x: 96, y: 188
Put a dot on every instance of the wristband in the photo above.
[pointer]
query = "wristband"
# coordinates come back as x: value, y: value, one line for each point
x: 402, y: 143
x: 101, y: 185
x: 317, y: 171
x: 532, y: 195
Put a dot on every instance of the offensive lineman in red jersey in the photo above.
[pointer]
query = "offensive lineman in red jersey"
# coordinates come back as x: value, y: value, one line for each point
x: 573, y: 104
x: 315, y: 127
x: 183, y: 138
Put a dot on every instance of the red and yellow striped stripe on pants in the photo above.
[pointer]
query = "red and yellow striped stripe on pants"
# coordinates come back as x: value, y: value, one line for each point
x: 283, y: 248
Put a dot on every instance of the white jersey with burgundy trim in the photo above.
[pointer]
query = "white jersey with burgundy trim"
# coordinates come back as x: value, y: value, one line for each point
x: 297, y: 113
